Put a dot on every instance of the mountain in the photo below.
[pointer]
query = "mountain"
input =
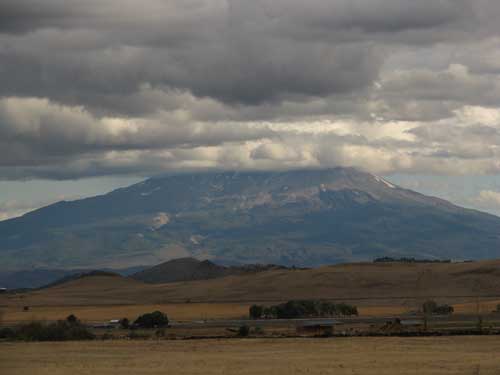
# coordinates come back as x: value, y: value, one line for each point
x: 301, y: 217
x: 189, y: 269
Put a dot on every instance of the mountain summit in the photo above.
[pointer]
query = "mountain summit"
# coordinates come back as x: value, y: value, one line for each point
x: 302, y: 217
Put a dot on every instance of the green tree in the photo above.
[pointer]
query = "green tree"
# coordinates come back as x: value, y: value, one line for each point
x: 243, y: 331
x: 429, y: 307
x: 256, y: 311
x: 72, y: 320
x: 124, y: 323
x: 156, y: 319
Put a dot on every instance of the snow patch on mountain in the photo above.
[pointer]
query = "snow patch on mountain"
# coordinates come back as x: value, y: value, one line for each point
x: 385, y: 182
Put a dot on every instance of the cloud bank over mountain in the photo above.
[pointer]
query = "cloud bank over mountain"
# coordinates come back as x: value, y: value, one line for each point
x: 112, y: 87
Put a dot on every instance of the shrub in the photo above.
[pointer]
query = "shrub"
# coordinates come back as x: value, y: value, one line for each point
x: 328, y: 332
x: 444, y: 310
x: 155, y: 319
x: 7, y: 333
x: 124, y: 323
x: 73, y: 320
x: 136, y: 335
x: 160, y: 332
x: 243, y: 331
x: 256, y: 311
x: 431, y: 307
x: 258, y: 330
x: 59, y: 331
x: 107, y: 336
x: 345, y: 309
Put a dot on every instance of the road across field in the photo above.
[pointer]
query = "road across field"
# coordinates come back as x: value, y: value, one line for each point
x: 454, y: 318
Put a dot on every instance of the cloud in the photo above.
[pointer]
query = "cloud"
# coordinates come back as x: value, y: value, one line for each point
x: 35, y: 129
x: 488, y: 199
x: 235, y: 51
x: 93, y: 88
x: 14, y: 208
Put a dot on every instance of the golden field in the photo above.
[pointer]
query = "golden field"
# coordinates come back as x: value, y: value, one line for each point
x: 178, y: 312
x: 192, y: 311
x: 378, y: 289
x: 380, y: 282
x: 365, y: 356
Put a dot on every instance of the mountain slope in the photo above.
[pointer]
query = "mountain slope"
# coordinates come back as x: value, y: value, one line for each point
x: 305, y: 217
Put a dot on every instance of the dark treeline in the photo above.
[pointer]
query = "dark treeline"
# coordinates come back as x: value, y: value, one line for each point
x: 70, y: 329
x: 73, y: 329
x: 409, y: 260
x: 302, y: 309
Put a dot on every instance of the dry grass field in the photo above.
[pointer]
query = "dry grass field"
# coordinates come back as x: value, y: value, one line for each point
x: 178, y: 312
x: 346, y: 281
x: 380, y: 289
x: 364, y: 356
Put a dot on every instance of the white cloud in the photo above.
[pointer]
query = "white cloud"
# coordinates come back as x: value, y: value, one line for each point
x: 488, y: 199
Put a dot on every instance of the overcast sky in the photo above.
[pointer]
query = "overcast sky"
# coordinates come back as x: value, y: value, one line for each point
x: 96, y: 94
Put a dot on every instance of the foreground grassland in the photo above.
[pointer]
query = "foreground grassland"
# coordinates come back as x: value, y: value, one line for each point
x: 179, y: 312
x: 187, y: 311
x: 444, y: 355
x: 14, y: 314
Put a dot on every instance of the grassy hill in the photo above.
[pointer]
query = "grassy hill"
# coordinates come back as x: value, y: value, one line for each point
x: 367, y: 283
x: 189, y: 269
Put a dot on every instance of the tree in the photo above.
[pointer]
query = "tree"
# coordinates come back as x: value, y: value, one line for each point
x: 155, y: 319
x: 429, y: 307
x: 125, y: 323
x: 444, y: 310
x: 243, y: 331
x: 305, y: 309
x: 72, y: 320
x: 256, y: 311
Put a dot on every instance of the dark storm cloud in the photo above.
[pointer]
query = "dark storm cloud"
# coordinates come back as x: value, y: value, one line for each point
x: 118, y: 86
x: 93, y: 52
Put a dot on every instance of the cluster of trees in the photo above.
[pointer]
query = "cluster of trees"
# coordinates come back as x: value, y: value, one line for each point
x: 432, y: 308
x: 156, y: 319
x: 409, y: 260
x: 302, y: 309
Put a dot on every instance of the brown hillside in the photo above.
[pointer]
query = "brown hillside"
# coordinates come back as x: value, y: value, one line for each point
x: 363, y: 282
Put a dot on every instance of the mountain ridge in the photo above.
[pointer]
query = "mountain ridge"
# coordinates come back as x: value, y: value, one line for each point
x: 300, y: 217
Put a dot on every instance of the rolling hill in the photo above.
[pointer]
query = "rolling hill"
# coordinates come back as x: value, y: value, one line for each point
x: 301, y: 217
x: 367, y: 283
x: 190, y: 269
x: 37, y: 278
x: 182, y: 269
